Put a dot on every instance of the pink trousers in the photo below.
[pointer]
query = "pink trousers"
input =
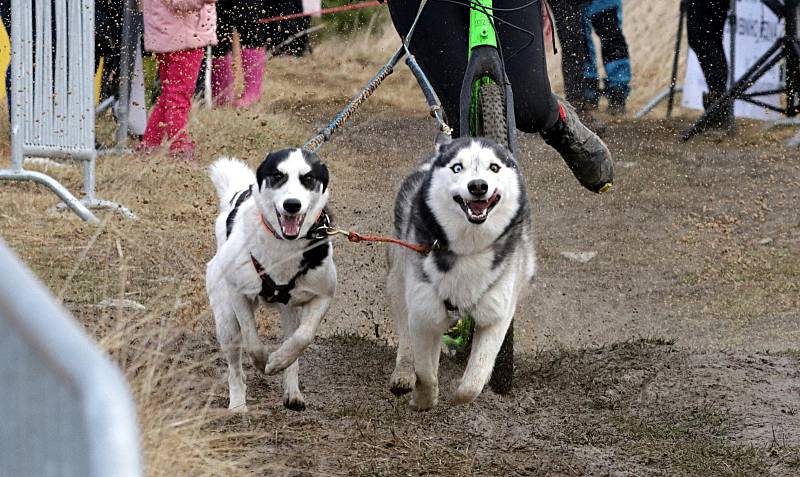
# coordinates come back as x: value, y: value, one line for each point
x: 178, y: 73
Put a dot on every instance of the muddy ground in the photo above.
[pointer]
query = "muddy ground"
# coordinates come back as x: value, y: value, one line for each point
x: 674, y: 351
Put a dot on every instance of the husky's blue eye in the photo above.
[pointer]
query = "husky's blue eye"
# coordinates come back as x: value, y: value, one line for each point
x: 494, y: 168
x: 457, y: 167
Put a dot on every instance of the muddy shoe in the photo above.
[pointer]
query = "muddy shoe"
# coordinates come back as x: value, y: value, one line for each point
x: 585, y: 153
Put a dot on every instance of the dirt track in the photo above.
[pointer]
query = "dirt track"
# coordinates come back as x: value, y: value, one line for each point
x: 673, y: 352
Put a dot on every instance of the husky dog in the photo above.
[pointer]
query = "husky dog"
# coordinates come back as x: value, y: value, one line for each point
x: 271, y: 248
x: 468, y: 203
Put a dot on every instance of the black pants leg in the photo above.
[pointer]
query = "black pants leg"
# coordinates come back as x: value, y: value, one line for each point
x: 108, y: 38
x: 705, y: 20
x: 440, y: 46
x: 574, y: 49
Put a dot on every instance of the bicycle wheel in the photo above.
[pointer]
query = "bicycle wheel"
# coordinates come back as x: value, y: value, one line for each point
x: 491, y: 122
x: 491, y: 113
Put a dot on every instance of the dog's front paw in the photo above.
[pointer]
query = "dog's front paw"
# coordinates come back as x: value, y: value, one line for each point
x: 294, y: 401
x: 424, y: 397
x: 464, y: 395
x: 402, y: 381
x: 237, y: 406
x: 277, y: 362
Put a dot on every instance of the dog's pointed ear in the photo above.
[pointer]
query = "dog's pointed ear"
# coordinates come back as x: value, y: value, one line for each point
x: 442, y: 141
x: 506, y: 156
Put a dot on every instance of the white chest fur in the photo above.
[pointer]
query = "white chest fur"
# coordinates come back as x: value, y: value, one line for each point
x: 466, y: 281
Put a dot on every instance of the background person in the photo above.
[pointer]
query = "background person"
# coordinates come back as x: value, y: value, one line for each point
x: 243, y: 16
x: 605, y: 17
x: 177, y: 31
x: 568, y: 16
x: 705, y: 20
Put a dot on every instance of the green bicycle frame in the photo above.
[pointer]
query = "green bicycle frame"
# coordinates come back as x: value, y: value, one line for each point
x: 481, y: 29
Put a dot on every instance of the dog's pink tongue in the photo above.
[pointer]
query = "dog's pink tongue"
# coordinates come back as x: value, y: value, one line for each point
x: 291, y: 225
x: 478, y: 207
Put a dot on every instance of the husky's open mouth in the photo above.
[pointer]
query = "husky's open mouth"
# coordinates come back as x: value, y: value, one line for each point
x: 290, y: 224
x: 478, y: 210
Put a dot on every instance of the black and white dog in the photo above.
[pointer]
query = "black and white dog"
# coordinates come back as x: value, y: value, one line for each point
x: 469, y: 199
x: 271, y: 248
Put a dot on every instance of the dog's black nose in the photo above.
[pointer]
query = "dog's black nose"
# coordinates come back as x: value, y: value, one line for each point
x: 478, y: 187
x: 292, y: 206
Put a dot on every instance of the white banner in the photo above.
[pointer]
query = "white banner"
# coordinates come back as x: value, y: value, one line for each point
x: 757, y: 29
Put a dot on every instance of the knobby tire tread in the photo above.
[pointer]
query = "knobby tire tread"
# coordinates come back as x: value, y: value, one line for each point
x: 493, y: 124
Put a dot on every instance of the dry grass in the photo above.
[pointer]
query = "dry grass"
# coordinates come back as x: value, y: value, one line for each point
x: 168, y: 351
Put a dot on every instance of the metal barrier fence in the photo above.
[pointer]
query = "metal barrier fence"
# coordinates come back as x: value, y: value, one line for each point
x: 52, y: 94
x: 66, y: 410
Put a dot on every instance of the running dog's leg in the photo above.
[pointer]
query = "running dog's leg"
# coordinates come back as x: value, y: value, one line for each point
x: 486, y: 342
x: 309, y: 316
x: 402, y: 380
x: 427, y: 320
x: 244, y: 309
x: 230, y: 340
x: 292, y: 397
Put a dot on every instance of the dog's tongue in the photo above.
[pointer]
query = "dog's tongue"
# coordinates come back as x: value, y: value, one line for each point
x: 291, y: 225
x: 478, y: 207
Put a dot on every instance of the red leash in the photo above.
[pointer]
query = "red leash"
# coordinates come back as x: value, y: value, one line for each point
x: 324, y: 11
x: 356, y: 237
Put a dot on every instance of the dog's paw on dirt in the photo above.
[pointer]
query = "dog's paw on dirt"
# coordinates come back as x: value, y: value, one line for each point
x: 277, y: 362
x: 424, y: 398
x: 294, y: 402
x: 402, y: 382
x: 464, y: 395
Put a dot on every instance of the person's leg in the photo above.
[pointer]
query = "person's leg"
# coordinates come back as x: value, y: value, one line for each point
x: 253, y: 37
x: 574, y: 49
x: 591, y: 77
x: 177, y: 95
x: 300, y: 45
x: 523, y: 51
x: 108, y: 38
x: 222, y: 80
x: 440, y: 46
x: 178, y: 73
x: 705, y: 21
x: 616, y: 59
x: 154, y: 131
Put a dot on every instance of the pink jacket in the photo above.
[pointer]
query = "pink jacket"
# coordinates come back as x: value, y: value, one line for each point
x: 175, y: 25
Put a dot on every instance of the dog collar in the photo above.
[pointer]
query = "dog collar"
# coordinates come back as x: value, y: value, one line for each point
x: 268, y: 228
